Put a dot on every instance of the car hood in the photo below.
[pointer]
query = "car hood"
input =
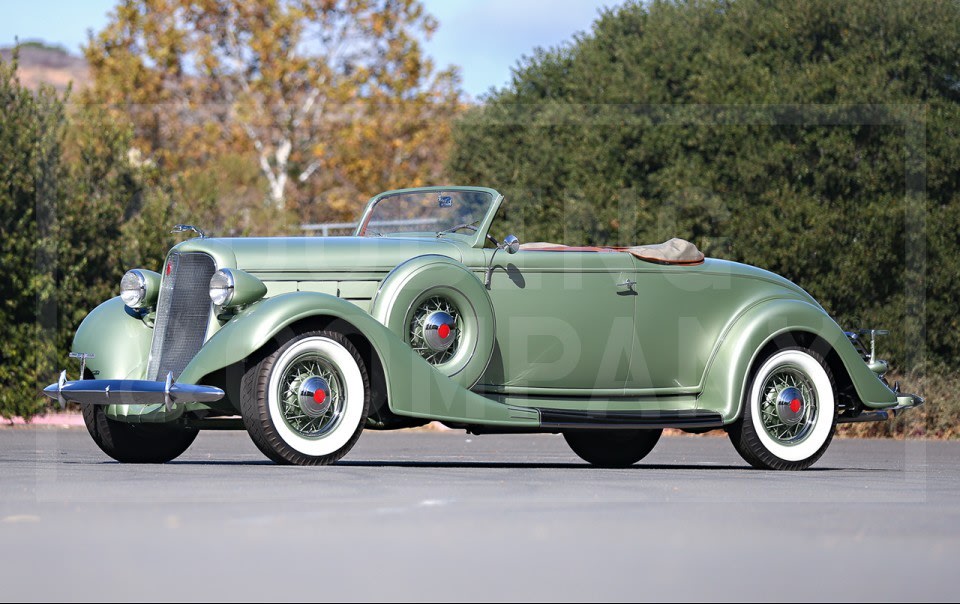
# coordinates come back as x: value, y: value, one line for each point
x: 266, y: 254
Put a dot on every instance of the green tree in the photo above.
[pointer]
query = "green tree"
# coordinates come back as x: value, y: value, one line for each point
x: 75, y: 210
x: 31, y: 127
x: 112, y: 213
x: 816, y: 139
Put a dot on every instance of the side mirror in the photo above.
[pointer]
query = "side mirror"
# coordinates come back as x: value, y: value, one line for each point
x: 511, y: 244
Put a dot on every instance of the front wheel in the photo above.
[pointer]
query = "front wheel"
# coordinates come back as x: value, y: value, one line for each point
x: 612, y: 448
x: 789, y: 413
x: 306, y: 403
x: 136, y: 443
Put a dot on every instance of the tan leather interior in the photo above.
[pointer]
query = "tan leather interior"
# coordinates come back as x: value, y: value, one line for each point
x: 674, y: 251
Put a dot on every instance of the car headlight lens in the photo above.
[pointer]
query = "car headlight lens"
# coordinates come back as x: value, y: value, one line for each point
x: 222, y: 287
x: 133, y: 289
x: 233, y: 288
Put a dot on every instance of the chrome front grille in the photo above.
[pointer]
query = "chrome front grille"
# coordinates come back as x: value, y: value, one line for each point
x: 183, y: 313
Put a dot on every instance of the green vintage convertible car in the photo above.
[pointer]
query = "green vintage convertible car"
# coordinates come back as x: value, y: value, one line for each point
x: 423, y: 314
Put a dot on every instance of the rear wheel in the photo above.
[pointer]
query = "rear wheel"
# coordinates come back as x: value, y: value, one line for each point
x: 307, y: 402
x: 136, y: 443
x: 612, y: 448
x: 789, y: 414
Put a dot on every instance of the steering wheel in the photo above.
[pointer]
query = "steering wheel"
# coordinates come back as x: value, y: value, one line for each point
x: 474, y: 228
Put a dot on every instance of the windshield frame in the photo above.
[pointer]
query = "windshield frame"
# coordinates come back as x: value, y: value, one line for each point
x: 476, y: 238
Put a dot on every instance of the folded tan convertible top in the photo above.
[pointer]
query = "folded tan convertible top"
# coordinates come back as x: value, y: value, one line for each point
x: 674, y: 251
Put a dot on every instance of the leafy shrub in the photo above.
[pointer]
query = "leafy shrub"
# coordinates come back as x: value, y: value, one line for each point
x: 74, y: 212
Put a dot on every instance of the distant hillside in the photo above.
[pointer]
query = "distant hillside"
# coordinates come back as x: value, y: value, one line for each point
x: 41, y: 63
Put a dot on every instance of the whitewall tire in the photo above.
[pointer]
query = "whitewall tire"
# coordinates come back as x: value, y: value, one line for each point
x: 789, y: 411
x: 307, y: 402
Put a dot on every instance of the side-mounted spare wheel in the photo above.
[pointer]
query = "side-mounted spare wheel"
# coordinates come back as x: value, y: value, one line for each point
x: 789, y: 411
x: 307, y: 401
x: 443, y: 312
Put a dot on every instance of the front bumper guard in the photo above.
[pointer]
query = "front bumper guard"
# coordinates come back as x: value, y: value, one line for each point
x: 904, y: 402
x: 130, y: 392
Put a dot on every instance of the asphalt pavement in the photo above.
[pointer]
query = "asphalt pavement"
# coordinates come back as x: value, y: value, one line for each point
x: 419, y: 516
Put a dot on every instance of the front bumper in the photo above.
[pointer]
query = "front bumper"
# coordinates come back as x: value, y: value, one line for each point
x: 130, y: 392
x: 904, y: 402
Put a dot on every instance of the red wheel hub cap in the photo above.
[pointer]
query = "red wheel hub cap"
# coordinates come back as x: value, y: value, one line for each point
x: 790, y: 406
x: 439, y: 331
x: 314, y: 396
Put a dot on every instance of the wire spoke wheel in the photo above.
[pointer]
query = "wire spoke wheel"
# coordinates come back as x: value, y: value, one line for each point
x: 442, y: 311
x: 306, y: 401
x: 317, y: 419
x: 789, y: 411
x: 436, y: 311
x: 788, y: 407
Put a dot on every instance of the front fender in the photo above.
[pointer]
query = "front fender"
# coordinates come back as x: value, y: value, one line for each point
x: 121, y: 342
x: 119, y: 339
x: 414, y: 387
x: 728, y: 369
x: 256, y: 325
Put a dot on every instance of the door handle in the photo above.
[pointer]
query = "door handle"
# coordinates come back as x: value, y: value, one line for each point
x: 628, y: 283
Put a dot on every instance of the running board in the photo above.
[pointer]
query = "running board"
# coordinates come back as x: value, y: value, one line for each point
x: 564, y: 419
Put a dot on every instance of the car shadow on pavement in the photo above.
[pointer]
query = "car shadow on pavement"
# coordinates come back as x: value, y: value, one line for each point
x: 511, y: 465
x: 489, y: 465
x: 178, y: 462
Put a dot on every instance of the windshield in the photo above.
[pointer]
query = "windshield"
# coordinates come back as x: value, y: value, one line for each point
x: 426, y: 212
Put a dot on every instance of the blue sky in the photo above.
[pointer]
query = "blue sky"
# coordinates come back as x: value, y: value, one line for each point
x: 485, y: 38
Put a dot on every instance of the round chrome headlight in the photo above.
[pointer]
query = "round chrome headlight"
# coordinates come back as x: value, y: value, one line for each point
x: 222, y: 287
x: 139, y: 288
x: 133, y: 289
x: 233, y: 288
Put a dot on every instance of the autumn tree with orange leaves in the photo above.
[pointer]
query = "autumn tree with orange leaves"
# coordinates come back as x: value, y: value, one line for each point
x: 332, y: 100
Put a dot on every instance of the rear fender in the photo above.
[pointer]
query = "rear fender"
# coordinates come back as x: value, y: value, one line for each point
x: 728, y: 370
